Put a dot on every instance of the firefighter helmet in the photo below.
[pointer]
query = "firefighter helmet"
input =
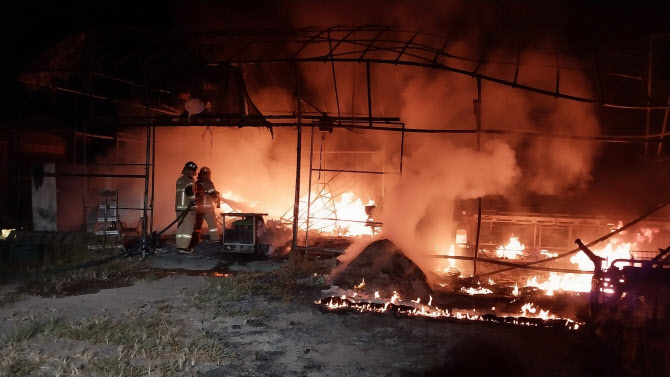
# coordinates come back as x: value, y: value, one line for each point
x: 190, y: 168
x: 205, y: 173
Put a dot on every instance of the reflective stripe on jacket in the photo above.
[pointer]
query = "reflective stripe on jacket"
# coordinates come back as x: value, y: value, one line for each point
x: 185, y: 192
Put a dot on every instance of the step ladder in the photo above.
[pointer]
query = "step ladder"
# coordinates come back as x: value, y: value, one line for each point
x: 107, y: 219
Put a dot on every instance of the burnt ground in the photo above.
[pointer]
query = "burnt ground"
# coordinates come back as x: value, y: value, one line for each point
x: 179, y: 323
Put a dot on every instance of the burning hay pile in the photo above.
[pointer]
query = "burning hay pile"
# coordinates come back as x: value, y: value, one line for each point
x: 381, y: 279
x: 386, y: 270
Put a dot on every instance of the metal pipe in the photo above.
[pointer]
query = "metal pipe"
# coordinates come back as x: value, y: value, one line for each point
x: 296, y: 203
x: 367, y: 70
x: 348, y: 221
x: 402, y: 146
x: 332, y: 65
x: 336, y: 251
x: 478, y: 120
x: 145, y: 214
x: 465, y: 72
x: 223, y: 232
x: 113, y: 164
x: 84, y: 160
x: 93, y: 96
x: 607, y: 138
x: 253, y: 232
x: 105, y: 137
x: 153, y: 176
x: 309, y: 186
x: 252, y: 118
x: 663, y: 128
x: 353, y: 171
x: 92, y: 175
x: 123, y: 208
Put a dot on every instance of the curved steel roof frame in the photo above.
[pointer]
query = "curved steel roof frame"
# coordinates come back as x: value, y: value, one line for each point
x: 386, y: 45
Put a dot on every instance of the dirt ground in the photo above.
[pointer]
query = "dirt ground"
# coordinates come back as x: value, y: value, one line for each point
x: 251, y: 323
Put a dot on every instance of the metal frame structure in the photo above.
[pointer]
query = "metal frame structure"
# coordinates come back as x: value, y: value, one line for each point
x: 373, y: 44
x: 574, y: 226
x: 148, y: 177
x: 341, y: 44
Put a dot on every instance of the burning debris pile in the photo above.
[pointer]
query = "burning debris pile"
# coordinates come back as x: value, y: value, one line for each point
x: 386, y: 270
x: 381, y: 279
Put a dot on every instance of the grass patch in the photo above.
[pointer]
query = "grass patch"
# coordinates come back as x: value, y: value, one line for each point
x: 17, y: 366
x: 40, y: 251
x: 37, y: 268
x: 145, y: 344
x: 9, y: 298
x: 282, y: 284
x: 115, y: 367
x: 35, y: 327
x: 152, y: 337
x: 116, y: 273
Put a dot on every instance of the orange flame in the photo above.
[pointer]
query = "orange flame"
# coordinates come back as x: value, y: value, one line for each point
x: 513, y: 250
x: 415, y: 308
x: 342, y: 216
x: 616, y: 248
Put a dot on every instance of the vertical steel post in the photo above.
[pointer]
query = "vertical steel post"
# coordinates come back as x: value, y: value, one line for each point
x: 116, y: 141
x: 253, y: 233
x: 402, y: 146
x: 478, y: 119
x: 223, y: 233
x: 296, y: 203
x: 147, y: 161
x: 309, y: 187
x: 16, y: 170
x: 663, y: 129
x: 83, y: 178
x: 84, y: 187
x: 153, y: 176
x: 367, y: 70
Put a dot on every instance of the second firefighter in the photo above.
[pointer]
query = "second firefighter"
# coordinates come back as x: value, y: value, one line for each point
x: 206, y: 198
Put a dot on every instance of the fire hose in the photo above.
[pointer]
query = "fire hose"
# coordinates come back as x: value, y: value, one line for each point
x: 151, y: 240
x: 154, y: 237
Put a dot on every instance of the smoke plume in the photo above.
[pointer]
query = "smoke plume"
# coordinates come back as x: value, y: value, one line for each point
x: 251, y: 167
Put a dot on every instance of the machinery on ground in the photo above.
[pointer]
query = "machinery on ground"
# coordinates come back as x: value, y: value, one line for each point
x: 630, y: 310
x: 245, y: 235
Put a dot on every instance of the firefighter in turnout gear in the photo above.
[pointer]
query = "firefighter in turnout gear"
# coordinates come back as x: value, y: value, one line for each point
x: 185, y: 196
x: 206, y: 198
